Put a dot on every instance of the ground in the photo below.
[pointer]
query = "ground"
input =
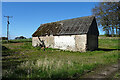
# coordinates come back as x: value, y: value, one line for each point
x: 21, y: 60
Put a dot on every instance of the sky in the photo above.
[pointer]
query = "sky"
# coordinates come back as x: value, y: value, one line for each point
x: 27, y: 16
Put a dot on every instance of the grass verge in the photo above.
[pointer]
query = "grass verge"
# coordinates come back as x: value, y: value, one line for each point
x: 24, y: 61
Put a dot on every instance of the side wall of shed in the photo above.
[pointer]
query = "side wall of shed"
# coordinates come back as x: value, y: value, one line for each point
x: 48, y: 41
x: 35, y: 41
x: 66, y: 42
x: 80, y: 42
x: 60, y: 42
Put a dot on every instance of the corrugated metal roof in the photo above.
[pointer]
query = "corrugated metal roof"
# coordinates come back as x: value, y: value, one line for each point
x: 65, y: 27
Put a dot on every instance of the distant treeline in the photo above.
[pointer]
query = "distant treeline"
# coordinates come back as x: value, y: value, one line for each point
x: 18, y: 40
x: 108, y: 17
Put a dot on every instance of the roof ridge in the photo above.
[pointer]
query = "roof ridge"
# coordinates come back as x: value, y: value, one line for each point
x: 78, y: 25
x: 70, y: 19
x: 77, y: 18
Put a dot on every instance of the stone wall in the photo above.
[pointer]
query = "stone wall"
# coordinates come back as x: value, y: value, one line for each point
x: 92, y: 42
x: 66, y: 42
x: 80, y: 42
x: 35, y: 41
x: 48, y: 40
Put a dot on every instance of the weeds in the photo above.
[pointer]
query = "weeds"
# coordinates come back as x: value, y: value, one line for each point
x: 25, y: 61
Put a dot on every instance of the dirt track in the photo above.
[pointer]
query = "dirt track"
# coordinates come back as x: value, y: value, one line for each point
x: 102, y: 72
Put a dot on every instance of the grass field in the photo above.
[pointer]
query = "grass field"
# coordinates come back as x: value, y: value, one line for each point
x: 21, y: 60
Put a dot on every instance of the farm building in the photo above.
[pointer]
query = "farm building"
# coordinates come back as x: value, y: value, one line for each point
x: 77, y: 34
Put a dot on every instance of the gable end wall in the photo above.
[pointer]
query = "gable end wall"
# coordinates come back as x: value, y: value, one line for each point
x: 92, y: 36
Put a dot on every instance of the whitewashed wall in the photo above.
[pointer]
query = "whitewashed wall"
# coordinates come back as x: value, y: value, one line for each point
x: 65, y: 42
x: 72, y: 43
x: 35, y: 41
x: 81, y: 42
x: 48, y: 41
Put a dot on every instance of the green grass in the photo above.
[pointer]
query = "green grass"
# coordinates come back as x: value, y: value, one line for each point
x: 17, y: 41
x: 24, y: 61
x: 117, y: 75
x: 109, y: 43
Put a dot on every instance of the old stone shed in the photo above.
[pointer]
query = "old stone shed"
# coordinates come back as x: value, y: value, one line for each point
x: 77, y: 34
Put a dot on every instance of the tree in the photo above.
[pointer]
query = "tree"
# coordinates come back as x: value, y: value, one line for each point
x: 107, y: 15
x: 21, y: 37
